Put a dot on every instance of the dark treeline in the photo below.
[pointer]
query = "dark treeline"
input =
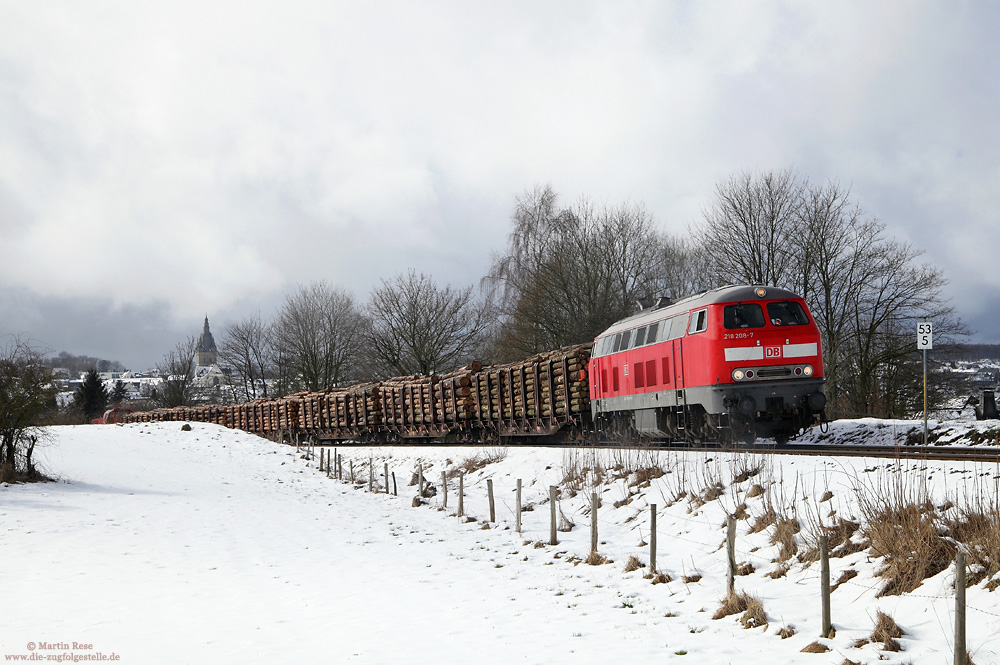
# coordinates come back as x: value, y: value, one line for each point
x: 974, y: 352
x: 79, y: 364
x: 569, y: 271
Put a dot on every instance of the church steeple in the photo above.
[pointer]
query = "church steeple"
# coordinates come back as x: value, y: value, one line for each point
x: 206, y: 354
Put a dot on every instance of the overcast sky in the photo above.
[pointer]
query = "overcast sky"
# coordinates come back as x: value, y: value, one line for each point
x: 164, y: 161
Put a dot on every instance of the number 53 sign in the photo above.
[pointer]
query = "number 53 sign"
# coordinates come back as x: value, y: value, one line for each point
x: 925, y: 335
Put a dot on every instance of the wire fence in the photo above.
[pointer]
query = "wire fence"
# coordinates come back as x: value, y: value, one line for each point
x: 447, y: 489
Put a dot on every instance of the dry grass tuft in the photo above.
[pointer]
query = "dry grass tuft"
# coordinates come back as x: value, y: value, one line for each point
x: 661, y: 578
x: 712, y: 492
x: 595, y: 559
x: 538, y: 545
x: 645, y: 475
x: 848, y: 661
x: 690, y: 579
x: 786, y: 632
x: 741, y: 512
x: 827, y: 495
x: 838, y: 538
x: 815, y: 647
x: 780, y: 571
x: 764, y: 520
x: 783, y: 535
x: 886, y: 631
x: 907, y: 537
x: 479, y: 461
x: 978, y: 528
x: 745, y: 568
x: 754, y: 616
x: 755, y: 491
x: 633, y: 563
x: 733, y: 603
x: 848, y: 574
x: 746, y: 472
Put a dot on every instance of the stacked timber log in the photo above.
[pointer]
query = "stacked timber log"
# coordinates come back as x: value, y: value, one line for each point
x: 550, y: 387
x: 438, y: 400
x: 547, y: 385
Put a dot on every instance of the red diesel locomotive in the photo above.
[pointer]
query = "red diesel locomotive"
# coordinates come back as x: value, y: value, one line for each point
x: 726, y: 365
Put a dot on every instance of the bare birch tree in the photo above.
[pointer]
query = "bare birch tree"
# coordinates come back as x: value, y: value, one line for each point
x: 568, y: 273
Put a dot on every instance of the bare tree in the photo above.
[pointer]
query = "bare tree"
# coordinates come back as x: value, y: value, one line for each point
x: 319, y: 334
x: 749, y: 226
x: 177, y: 387
x: 421, y: 328
x: 248, y: 350
x: 25, y: 393
x: 866, y: 291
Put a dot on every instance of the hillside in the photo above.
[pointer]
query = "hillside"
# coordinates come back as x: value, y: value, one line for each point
x: 207, y: 546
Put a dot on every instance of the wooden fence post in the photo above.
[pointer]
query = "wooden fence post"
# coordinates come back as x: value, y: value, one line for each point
x: 461, y: 494
x: 489, y: 491
x: 552, y: 510
x: 444, y: 488
x: 824, y: 581
x: 593, y: 522
x: 518, y: 513
x: 960, y: 608
x: 652, y: 538
x: 731, y: 552
x: 352, y: 472
x: 386, y: 477
x: 420, y: 480
x: 395, y: 489
x: 371, y: 474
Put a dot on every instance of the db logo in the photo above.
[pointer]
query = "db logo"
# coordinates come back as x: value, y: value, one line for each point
x: 772, y: 351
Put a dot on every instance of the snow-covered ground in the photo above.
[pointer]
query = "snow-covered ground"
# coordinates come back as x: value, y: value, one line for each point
x: 159, y: 545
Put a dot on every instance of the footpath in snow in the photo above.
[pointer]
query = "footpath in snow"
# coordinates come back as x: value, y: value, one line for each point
x: 158, y: 545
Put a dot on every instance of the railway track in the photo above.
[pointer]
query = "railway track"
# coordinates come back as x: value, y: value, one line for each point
x: 988, y: 454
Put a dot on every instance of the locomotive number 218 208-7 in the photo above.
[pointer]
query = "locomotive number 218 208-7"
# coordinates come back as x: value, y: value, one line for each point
x: 739, y: 335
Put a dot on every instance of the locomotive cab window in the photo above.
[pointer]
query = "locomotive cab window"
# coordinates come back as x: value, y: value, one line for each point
x: 748, y: 315
x: 786, y: 313
x: 699, y: 321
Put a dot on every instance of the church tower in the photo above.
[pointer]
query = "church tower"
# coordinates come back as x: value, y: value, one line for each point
x: 206, y: 354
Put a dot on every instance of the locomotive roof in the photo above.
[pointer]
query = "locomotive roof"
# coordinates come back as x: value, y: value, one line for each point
x: 737, y: 293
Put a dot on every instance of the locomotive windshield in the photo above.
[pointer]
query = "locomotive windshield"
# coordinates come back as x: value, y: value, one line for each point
x: 748, y: 315
x: 786, y: 313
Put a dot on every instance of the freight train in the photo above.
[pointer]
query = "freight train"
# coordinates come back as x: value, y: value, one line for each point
x: 727, y: 365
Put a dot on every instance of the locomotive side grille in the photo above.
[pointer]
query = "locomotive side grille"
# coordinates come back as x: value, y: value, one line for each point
x: 774, y: 372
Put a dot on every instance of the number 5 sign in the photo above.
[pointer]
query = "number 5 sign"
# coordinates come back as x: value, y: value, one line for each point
x: 925, y: 335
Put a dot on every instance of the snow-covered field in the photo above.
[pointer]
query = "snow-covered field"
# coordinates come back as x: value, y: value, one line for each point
x: 158, y: 545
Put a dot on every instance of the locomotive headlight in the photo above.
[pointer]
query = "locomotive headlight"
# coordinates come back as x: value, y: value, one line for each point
x: 807, y: 370
x: 738, y: 374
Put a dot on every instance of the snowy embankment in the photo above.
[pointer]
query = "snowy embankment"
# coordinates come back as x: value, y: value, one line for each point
x: 209, y: 546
